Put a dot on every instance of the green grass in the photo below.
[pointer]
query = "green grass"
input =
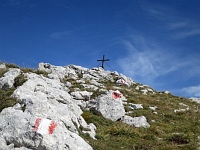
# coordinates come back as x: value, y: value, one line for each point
x: 169, y: 131
x: 6, y: 100
x: 161, y: 135
x: 10, y: 65
x: 2, y: 72
x: 19, y: 80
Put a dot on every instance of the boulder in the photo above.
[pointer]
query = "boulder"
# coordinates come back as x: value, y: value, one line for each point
x: 136, y: 121
x: 21, y: 130
x: 110, y: 105
x: 123, y: 80
x: 8, y: 79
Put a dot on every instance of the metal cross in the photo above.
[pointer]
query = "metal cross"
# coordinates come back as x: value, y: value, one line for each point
x: 103, y: 60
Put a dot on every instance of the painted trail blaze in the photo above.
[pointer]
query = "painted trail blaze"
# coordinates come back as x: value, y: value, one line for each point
x: 37, y: 123
x: 52, y: 127
x: 116, y: 94
x: 44, y: 126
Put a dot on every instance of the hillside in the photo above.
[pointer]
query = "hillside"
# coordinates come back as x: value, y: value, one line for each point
x: 76, y: 108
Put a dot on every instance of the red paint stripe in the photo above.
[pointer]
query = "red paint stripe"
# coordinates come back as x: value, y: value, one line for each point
x: 52, y: 127
x: 116, y: 95
x: 37, y: 123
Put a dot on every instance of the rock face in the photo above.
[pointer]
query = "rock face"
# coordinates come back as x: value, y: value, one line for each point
x: 45, y: 98
x: 48, y: 115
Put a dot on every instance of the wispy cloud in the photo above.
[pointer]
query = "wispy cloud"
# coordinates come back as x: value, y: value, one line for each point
x: 148, y: 61
x: 187, y: 33
x: 192, y: 91
x: 145, y: 59
x: 178, y: 26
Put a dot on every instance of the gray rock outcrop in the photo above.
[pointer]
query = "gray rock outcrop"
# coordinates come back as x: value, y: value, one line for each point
x: 16, y: 130
x: 48, y: 115
x: 7, y: 80
x: 45, y: 98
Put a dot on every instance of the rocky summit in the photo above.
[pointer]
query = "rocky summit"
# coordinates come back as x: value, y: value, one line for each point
x: 76, y: 108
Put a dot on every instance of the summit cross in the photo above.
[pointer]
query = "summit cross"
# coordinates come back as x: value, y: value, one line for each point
x: 103, y: 60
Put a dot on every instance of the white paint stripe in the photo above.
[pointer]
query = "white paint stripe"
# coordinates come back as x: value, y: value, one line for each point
x: 44, y: 126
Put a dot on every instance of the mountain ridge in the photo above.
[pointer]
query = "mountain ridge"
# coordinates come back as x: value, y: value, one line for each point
x: 73, y: 97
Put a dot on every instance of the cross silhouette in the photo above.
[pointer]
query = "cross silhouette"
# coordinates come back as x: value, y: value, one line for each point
x: 103, y: 60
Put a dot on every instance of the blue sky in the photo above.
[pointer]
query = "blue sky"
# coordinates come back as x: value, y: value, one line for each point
x: 155, y: 42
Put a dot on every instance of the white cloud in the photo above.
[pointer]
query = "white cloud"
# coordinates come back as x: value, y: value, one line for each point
x: 192, y: 91
x: 148, y: 60
x: 177, y: 24
x: 184, y: 28
x: 186, y: 33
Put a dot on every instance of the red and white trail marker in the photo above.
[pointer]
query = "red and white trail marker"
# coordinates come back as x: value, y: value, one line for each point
x: 44, y: 126
x: 116, y: 94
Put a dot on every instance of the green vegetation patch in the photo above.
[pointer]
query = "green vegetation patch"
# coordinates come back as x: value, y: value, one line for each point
x: 19, y: 80
x: 6, y: 100
x: 2, y: 71
x: 10, y: 65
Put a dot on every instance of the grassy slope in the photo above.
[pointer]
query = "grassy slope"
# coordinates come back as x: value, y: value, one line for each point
x: 169, y: 131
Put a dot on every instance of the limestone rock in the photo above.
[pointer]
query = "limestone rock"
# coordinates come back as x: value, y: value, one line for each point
x: 194, y: 99
x: 94, y: 82
x: 110, y: 106
x: 88, y: 86
x: 115, y: 73
x: 136, y: 106
x: 7, y: 80
x: 123, y: 80
x: 48, y: 98
x: 17, y: 130
x: 136, y: 121
x: 57, y: 72
x: 81, y: 95
x: 78, y: 69
x: 2, y: 66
